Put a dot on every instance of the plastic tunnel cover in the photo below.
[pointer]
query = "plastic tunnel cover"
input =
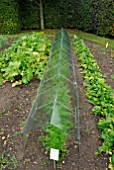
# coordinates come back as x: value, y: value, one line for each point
x: 53, y: 101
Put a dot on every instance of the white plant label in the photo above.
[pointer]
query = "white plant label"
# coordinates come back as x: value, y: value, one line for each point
x: 54, y: 154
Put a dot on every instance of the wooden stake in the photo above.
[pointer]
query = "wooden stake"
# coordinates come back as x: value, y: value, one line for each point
x: 54, y: 163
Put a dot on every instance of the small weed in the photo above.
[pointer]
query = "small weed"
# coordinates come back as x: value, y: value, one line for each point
x: 7, y: 161
x: 2, y: 130
x: 1, y: 113
x: 4, y: 162
x: 21, y: 124
x: 88, y: 130
x: 14, y: 161
x: 20, y: 107
x: 17, y: 133
x: 3, y: 41
x: 8, y: 113
x: 80, y: 107
x: 23, y: 95
x: 112, y: 76
x: 44, y: 164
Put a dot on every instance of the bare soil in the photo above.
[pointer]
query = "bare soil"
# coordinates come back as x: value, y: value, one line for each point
x: 15, y: 104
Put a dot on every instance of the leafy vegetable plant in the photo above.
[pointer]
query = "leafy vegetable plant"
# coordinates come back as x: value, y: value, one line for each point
x: 26, y: 58
x: 100, y: 95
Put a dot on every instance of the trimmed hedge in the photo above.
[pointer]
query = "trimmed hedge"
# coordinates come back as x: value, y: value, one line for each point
x: 60, y: 14
x: 30, y: 15
x: 96, y: 16
x: 104, y: 17
x: 84, y: 15
x: 9, y: 17
x: 89, y: 15
x: 54, y: 13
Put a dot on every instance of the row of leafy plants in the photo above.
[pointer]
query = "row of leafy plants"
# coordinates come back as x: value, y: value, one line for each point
x: 99, y: 94
x: 25, y: 59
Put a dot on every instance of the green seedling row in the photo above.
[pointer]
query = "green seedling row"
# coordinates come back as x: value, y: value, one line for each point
x: 52, y: 108
x: 100, y: 95
x: 57, y: 137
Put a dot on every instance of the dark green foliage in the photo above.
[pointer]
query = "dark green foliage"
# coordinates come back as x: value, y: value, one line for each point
x: 29, y: 12
x: 96, y: 16
x: 68, y: 14
x: 89, y: 15
x: 104, y: 17
x: 9, y: 17
x: 52, y: 14
x: 84, y: 12
x: 56, y: 14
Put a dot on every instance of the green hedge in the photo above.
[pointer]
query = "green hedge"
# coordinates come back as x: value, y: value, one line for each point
x: 103, y: 22
x: 56, y: 14
x: 96, y: 16
x: 29, y: 13
x: 52, y: 14
x: 9, y: 17
x: 89, y: 15
x: 60, y: 14
x: 84, y: 15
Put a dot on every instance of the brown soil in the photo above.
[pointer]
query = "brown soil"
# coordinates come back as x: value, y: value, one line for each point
x: 15, y: 104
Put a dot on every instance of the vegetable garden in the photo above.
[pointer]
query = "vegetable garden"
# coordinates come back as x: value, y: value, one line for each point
x: 34, y: 62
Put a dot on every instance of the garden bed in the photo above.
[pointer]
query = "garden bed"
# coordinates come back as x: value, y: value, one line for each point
x: 15, y: 104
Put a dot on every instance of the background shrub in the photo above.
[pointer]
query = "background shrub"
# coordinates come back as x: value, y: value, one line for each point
x: 9, y: 17
x: 104, y: 14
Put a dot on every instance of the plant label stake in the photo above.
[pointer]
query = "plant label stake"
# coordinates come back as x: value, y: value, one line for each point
x: 54, y: 155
